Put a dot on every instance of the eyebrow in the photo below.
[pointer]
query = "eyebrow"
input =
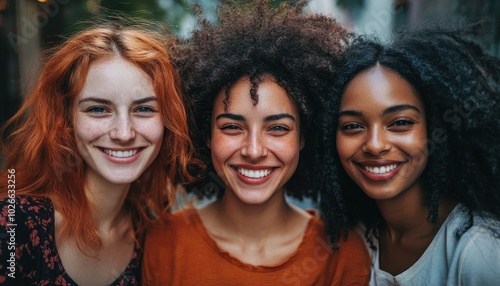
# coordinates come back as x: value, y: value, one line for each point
x: 400, y: 107
x: 391, y: 109
x: 266, y: 119
x: 350, y: 113
x: 106, y: 101
x: 230, y: 116
x: 278, y: 117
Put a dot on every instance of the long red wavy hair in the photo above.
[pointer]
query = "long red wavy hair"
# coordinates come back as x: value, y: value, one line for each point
x: 40, y: 143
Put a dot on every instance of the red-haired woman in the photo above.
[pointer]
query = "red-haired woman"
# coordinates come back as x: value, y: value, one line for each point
x: 94, y: 150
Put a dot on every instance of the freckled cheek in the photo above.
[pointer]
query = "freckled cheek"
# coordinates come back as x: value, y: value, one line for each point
x: 218, y: 159
x: 221, y: 152
x: 88, y: 130
x: 223, y: 148
x: 286, y: 151
x: 153, y: 130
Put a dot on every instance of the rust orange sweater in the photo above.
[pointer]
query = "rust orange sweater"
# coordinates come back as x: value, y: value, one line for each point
x: 179, y: 251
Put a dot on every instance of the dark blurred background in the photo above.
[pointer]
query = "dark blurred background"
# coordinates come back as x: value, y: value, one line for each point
x: 27, y: 27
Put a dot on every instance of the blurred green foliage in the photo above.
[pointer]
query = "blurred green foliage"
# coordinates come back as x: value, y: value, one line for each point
x: 75, y: 14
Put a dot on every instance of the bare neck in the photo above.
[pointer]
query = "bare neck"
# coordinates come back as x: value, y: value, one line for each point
x: 266, y: 234
x: 232, y: 217
x: 406, y: 232
x: 408, y: 213
x: 404, y: 213
x: 107, y: 203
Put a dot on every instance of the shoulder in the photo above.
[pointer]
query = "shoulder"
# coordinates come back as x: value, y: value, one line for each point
x: 478, y: 256
x: 186, y: 216
x: 353, y: 247
x: 28, y: 225
x: 32, y: 218
x: 173, y: 223
x: 169, y: 243
x: 315, y: 224
x: 349, y: 247
x: 474, y: 254
x: 27, y: 211
x: 348, y: 259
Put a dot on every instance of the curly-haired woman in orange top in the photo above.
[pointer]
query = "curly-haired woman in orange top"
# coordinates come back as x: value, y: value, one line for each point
x: 255, y: 81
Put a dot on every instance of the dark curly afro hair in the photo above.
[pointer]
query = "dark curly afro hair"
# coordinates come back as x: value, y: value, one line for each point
x: 459, y: 86
x: 254, y: 40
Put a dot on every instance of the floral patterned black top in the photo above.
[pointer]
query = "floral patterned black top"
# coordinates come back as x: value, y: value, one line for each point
x: 28, y: 254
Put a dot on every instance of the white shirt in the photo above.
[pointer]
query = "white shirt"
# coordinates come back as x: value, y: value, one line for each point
x: 471, y: 259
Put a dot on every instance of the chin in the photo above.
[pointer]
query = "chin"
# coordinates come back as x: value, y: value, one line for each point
x: 254, y: 197
x: 121, y: 180
x: 380, y: 195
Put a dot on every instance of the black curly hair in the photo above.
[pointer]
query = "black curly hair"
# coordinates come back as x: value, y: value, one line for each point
x: 298, y: 49
x: 459, y: 86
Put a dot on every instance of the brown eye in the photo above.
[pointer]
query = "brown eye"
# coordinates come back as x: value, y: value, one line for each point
x: 279, y: 128
x: 403, y: 122
x: 351, y: 126
x: 230, y: 127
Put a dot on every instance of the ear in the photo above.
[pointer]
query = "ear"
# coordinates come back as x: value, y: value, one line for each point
x: 209, y: 143
x: 302, y: 143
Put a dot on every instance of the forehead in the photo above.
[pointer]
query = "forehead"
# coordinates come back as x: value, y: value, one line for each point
x: 116, y: 77
x: 379, y: 87
x: 269, y: 97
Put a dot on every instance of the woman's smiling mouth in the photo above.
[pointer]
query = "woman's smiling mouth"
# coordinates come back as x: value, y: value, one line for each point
x: 379, y: 172
x: 380, y: 169
x: 120, y: 154
x: 254, y: 174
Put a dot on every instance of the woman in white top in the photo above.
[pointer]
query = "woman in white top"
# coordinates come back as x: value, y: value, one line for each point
x: 411, y: 133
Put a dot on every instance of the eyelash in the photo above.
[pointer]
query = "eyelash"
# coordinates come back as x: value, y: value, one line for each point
x: 230, y: 126
x: 149, y: 109
x: 101, y: 109
x: 350, y: 126
x: 397, y: 123
x: 274, y: 128
x: 405, y: 122
x: 279, y: 128
x: 94, y: 109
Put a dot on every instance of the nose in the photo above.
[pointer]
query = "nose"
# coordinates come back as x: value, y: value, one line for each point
x: 376, y: 141
x: 123, y: 129
x: 254, y: 147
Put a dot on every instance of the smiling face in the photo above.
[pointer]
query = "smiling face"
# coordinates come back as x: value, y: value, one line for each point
x: 255, y: 148
x: 118, y: 129
x: 381, y: 134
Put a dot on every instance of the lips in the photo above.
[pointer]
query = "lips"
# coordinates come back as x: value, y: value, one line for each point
x: 254, y: 174
x: 380, y: 169
x: 121, y: 153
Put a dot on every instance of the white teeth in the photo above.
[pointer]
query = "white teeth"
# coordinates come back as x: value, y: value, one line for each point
x: 254, y: 174
x: 381, y: 170
x: 121, y: 154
